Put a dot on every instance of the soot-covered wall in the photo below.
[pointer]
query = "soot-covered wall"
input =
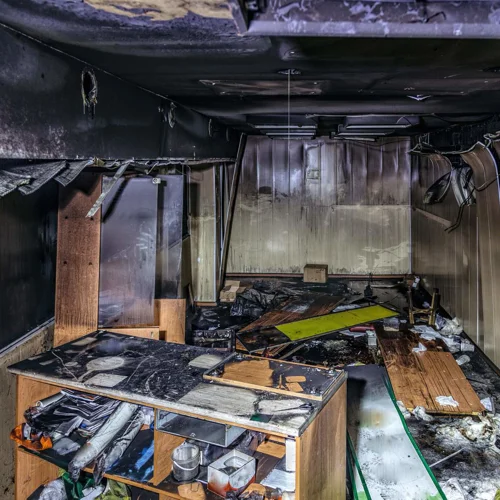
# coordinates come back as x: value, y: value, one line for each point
x: 455, y: 262
x: 28, y: 226
x: 335, y: 202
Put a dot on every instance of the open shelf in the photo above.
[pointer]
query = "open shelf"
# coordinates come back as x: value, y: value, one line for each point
x: 318, y: 442
x: 123, y: 471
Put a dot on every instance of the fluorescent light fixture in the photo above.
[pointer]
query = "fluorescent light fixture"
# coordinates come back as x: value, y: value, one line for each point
x: 380, y: 122
x: 354, y: 138
x: 279, y: 126
x: 363, y: 134
x: 285, y: 134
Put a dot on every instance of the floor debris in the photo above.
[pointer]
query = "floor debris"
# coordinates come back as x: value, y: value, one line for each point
x: 470, y: 468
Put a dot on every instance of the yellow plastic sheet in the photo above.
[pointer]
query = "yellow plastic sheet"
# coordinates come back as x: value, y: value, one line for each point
x: 312, y: 327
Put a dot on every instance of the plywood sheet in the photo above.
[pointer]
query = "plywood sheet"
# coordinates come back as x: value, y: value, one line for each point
x: 164, y: 444
x: 282, y: 377
x: 152, y: 332
x: 170, y: 314
x: 77, y: 269
x: 419, y: 378
x: 295, y: 309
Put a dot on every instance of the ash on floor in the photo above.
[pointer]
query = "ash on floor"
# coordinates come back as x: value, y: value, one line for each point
x: 474, y: 472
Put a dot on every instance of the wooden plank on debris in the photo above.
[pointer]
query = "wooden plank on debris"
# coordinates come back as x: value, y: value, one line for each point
x: 77, y: 269
x: 271, y: 375
x: 418, y: 378
x: 302, y: 307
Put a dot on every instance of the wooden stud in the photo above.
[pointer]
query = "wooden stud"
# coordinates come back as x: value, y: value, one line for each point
x: 230, y: 210
x: 78, y: 253
x: 165, y: 444
x: 321, y: 453
x: 31, y: 472
x: 170, y: 315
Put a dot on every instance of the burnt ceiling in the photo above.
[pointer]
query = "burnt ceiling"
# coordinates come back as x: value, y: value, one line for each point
x: 193, y: 53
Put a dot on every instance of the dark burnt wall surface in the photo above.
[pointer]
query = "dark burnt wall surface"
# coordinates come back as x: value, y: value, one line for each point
x: 341, y: 203
x: 28, y: 226
x: 41, y: 109
x: 41, y: 113
x: 450, y: 261
x: 446, y: 261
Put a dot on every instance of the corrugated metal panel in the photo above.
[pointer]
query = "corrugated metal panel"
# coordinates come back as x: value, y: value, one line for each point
x: 447, y: 261
x: 345, y: 203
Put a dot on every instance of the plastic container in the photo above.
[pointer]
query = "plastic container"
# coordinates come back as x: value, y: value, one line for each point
x: 186, y: 462
x: 232, y: 472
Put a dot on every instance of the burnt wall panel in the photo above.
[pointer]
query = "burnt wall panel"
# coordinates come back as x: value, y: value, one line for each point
x: 42, y: 114
x: 203, y: 232
x: 343, y: 203
x: 169, y: 236
x: 451, y: 261
x: 41, y: 109
x: 27, y: 261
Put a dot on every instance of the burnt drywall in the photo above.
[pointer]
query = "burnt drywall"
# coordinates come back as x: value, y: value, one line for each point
x: 452, y: 261
x: 42, y: 113
x: 335, y: 202
x: 27, y: 261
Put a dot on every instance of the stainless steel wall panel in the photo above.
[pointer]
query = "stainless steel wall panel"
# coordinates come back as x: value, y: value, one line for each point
x: 128, y: 253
